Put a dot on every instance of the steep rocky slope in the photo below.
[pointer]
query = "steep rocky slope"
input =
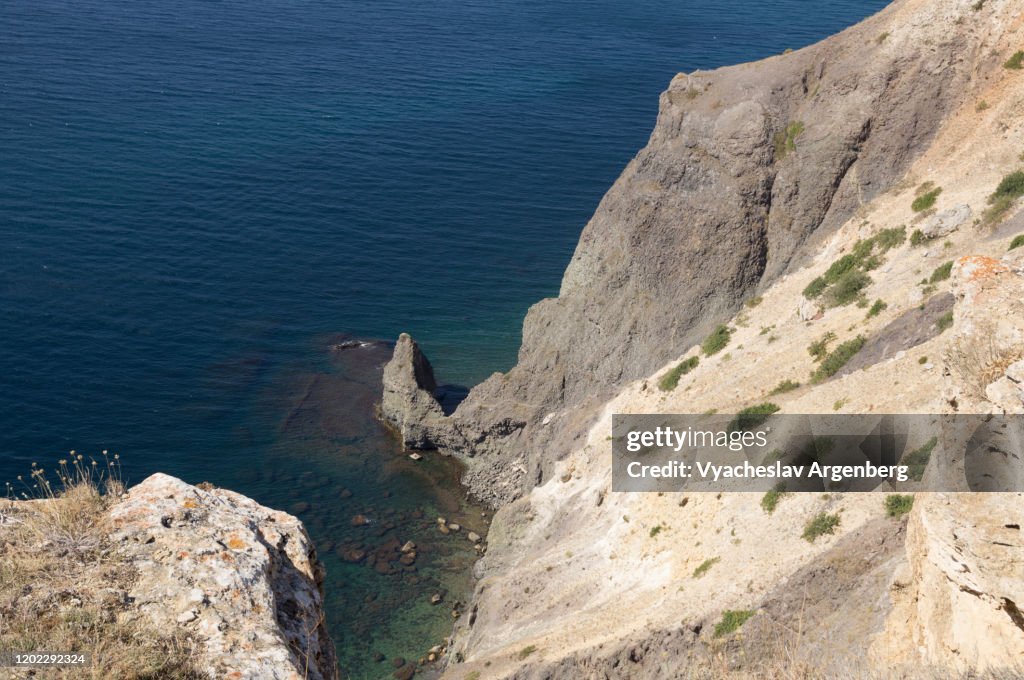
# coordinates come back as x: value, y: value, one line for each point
x: 748, y: 169
x: 757, y: 181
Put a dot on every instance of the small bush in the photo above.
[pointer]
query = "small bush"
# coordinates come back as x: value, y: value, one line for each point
x: 1002, y: 199
x: 890, y: 238
x: 882, y: 37
x: 527, y: 651
x: 717, y: 341
x: 815, y: 288
x: 785, y: 386
x: 917, y: 460
x: 731, y: 621
x: 981, y: 106
x: 941, y: 272
x: 753, y: 416
x: 771, y: 498
x: 918, y: 238
x: 926, y: 200
x: 656, y: 530
x: 843, y: 265
x: 1017, y: 242
x: 877, y: 308
x: 754, y: 301
x: 819, y: 348
x: 897, y: 504
x: 838, y: 358
x: 669, y: 381
x: 848, y: 288
x: 821, y: 524
x: 705, y: 566
x: 945, y: 321
x: 1016, y: 62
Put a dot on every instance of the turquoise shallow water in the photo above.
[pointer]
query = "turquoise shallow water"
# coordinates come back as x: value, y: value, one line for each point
x: 197, y: 197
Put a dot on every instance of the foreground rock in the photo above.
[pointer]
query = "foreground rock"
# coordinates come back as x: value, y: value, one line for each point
x: 242, y: 579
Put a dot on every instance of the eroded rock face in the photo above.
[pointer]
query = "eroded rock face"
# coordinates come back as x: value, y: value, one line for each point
x: 241, y: 578
x: 946, y: 222
x: 958, y: 599
x: 408, y: 403
x: 747, y: 168
x: 988, y: 334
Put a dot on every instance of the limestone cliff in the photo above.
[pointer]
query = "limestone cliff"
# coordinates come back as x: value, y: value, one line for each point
x: 756, y: 181
x: 747, y: 170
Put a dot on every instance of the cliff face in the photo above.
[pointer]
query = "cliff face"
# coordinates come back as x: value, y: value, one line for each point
x: 748, y: 167
x: 756, y: 180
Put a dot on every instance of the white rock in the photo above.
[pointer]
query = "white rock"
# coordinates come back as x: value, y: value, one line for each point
x: 947, y: 221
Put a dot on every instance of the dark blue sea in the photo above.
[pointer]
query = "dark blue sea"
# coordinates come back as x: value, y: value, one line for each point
x: 199, y: 200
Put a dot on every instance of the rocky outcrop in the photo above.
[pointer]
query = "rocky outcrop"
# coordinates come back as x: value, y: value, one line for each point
x: 241, y: 579
x: 946, y: 222
x: 984, y: 357
x: 746, y: 169
x: 408, y: 403
x: 958, y: 598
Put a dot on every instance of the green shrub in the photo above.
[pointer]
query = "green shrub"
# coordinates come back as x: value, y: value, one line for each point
x: 656, y: 530
x: 1002, y: 199
x: 717, y: 341
x: 527, y: 651
x: 843, y: 265
x: 1012, y: 185
x: 785, y: 386
x: 877, y: 308
x: 819, y: 348
x: 945, y: 321
x: 731, y: 621
x: 785, y: 141
x: 881, y: 38
x: 1017, y: 242
x: 917, y: 460
x: 926, y: 200
x: 1016, y: 62
x: 754, y: 301
x: 821, y: 524
x: 772, y: 497
x: 918, y: 238
x: 815, y: 288
x: 847, y: 288
x: 669, y: 381
x: 891, y: 238
x: 705, y: 566
x: 752, y: 416
x: 838, y: 358
x: 897, y: 504
x: 941, y: 272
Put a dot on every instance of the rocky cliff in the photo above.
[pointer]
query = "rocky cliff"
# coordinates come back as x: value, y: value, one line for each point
x: 747, y: 170
x: 758, y: 184
x: 168, y: 580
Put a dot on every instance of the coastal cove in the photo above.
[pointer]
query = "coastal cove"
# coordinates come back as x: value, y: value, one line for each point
x: 217, y: 218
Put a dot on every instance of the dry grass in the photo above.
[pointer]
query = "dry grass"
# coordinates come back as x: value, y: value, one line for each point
x: 63, y: 587
x: 978, y: 360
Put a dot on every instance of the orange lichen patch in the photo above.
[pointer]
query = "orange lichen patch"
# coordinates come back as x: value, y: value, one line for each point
x: 190, y: 504
x: 978, y: 267
x: 226, y: 556
x: 235, y: 543
x: 183, y: 554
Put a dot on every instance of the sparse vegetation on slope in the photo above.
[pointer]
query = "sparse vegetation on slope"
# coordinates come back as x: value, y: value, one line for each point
x: 731, y: 621
x: 752, y: 416
x: 837, y: 359
x: 785, y: 386
x: 1017, y: 242
x: 705, y: 566
x: 821, y: 524
x: 917, y: 460
x: 941, y: 272
x: 717, y: 341
x: 926, y: 197
x: 785, y: 141
x: 1016, y: 62
x: 670, y: 380
x: 898, y: 504
x: 1002, y: 199
x: 772, y: 497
